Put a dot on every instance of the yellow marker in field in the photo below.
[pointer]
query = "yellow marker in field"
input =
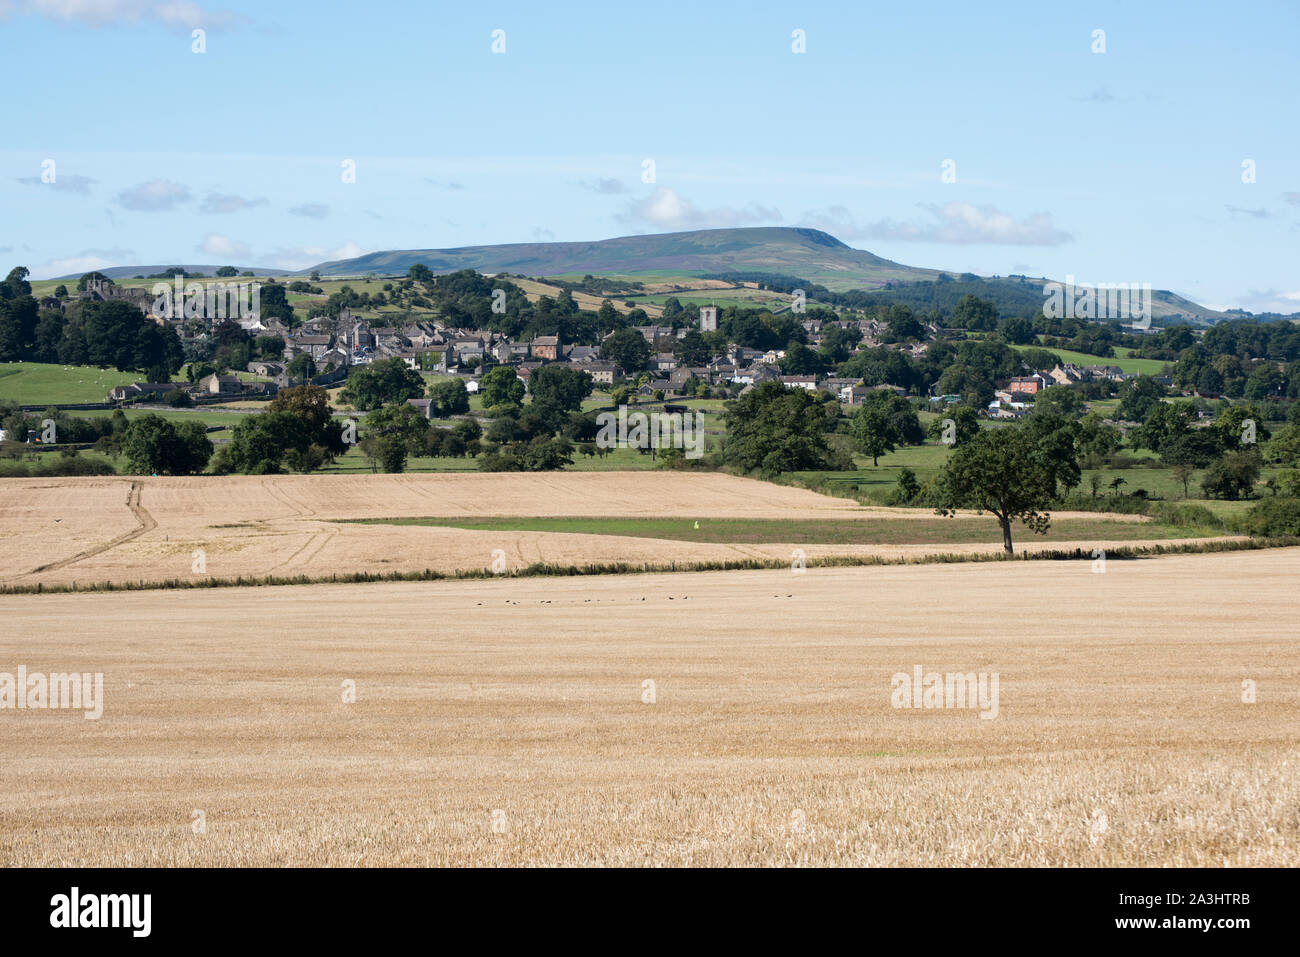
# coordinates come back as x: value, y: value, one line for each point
x: 697, y: 524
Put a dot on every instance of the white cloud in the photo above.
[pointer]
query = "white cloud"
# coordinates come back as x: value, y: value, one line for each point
x: 157, y: 195
x: 955, y: 223
x: 836, y: 220
x: 85, y: 261
x: 667, y: 209
x: 223, y: 247
x: 300, y: 257
x: 229, y: 203
x: 1269, y: 300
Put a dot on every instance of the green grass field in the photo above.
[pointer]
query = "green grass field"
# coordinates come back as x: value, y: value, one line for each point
x: 919, y: 531
x: 38, y: 383
x: 876, y: 481
x: 1161, y: 483
x: 1141, y: 366
x: 692, y: 299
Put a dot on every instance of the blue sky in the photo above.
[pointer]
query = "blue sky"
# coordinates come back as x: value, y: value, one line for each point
x: 1122, y: 166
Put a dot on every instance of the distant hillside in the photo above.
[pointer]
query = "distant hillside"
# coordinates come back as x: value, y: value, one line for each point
x: 1013, y: 296
x: 130, y: 272
x: 777, y: 249
x: 774, y: 255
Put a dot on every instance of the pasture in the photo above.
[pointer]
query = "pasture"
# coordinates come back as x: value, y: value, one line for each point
x: 39, y: 383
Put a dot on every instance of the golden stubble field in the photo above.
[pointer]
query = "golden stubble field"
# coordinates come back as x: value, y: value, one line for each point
x: 88, y: 530
x: 1121, y: 736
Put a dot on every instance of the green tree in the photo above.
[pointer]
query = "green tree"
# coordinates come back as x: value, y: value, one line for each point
x: 885, y: 421
x: 1058, y: 400
x: 301, y: 367
x: 1274, y: 517
x: 382, y: 383
x: 226, y: 271
x: 873, y: 431
x: 501, y: 387
x: 388, y: 450
x: 972, y: 312
x: 692, y: 349
x: 1183, y: 472
x: 907, y: 489
x: 800, y: 360
x: 559, y: 389
x: 273, y: 303
x: 1165, y: 423
x: 1018, y: 331
x: 1196, y: 448
x: 1210, y: 381
x: 970, y: 382
x: 261, y: 444
x: 402, y: 422
x: 155, y: 446
x: 1240, y: 426
x: 628, y: 348
x: 902, y: 324
x: 775, y: 429
x: 451, y: 397
x: 269, y: 347
x: 544, y: 454
x: 1233, y: 476
x: 1001, y: 471
x: 838, y: 344
x: 311, y: 405
x: 19, y: 318
x: 1137, y: 397
x: 118, y: 334
x: 965, y: 425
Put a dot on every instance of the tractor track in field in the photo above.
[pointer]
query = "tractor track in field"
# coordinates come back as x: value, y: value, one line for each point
x: 147, y: 524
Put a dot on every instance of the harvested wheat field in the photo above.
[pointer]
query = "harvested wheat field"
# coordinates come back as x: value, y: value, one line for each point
x: 92, y: 530
x: 510, y: 721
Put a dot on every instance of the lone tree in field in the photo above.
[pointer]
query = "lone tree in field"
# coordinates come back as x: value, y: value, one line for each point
x: 874, y: 433
x: 1004, y: 471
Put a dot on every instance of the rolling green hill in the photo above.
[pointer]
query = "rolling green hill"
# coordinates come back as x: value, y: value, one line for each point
x: 806, y: 256
x: 809, y: 253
